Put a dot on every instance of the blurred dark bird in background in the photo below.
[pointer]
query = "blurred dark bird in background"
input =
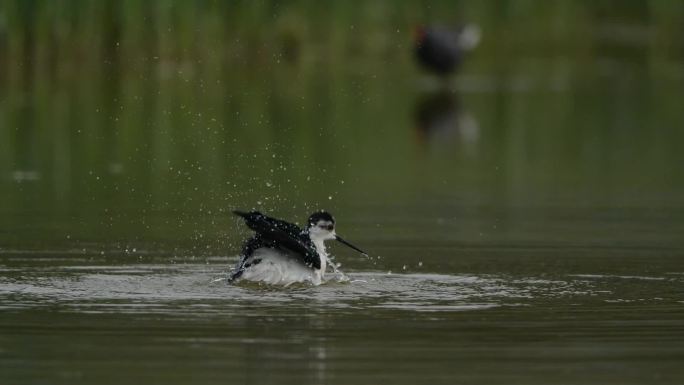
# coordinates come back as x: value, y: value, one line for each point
x: 441, y: 49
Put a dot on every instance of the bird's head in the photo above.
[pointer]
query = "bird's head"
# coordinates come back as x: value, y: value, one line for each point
x: 321, y: 226
x: 419, y: 32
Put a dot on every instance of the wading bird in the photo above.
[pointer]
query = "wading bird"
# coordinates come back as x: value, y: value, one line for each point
x: 281, y: 253
x: 440, y: 50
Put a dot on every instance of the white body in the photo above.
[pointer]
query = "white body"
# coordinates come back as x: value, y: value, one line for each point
x: 282, y: 268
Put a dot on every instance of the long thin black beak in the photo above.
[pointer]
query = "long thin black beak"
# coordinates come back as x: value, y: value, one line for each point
x: 339, y: 239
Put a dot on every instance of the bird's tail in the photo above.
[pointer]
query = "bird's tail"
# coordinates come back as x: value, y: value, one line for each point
x: 240, y: 213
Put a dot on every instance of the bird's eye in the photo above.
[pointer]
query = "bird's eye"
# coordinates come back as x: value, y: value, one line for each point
x: 330, y: 227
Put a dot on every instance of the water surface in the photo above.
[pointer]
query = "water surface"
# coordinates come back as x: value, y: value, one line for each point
x: 524, y: 219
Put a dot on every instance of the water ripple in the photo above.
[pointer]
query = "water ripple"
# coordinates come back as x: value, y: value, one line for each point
x: 192, y: 288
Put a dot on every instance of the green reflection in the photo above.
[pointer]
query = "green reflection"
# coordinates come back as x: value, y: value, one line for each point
x: 118, y: 114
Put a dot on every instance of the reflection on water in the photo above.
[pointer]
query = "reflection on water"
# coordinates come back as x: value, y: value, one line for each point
x: 440, y: 118
x: 131, y: 288
x: 83, y: 319
x: 73, y: 282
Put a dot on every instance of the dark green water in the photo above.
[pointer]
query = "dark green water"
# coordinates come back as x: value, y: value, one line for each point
x: 525, y: 222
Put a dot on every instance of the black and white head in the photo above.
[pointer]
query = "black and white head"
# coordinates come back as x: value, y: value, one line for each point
x: 321, y: 227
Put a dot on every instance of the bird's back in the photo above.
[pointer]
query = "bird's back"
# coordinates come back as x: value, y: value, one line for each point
x: 275, y: 233
x: 439, y: 50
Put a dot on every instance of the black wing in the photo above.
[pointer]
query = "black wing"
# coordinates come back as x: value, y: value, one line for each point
x: 283, y: 234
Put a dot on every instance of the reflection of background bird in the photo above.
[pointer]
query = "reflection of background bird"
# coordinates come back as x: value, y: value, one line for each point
x: 439, y: 117
x: 440, y: 50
